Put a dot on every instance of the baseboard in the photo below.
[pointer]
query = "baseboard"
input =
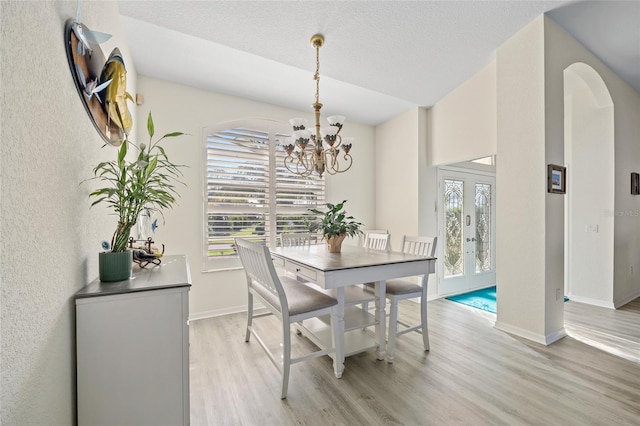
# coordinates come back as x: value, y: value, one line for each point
x: 226, y: 311
x: 594, y: 302
x: 602, y: 303
x: 217, y: 313
x: 626, y: 300
x: 538, y: 338
x: 555, y: 336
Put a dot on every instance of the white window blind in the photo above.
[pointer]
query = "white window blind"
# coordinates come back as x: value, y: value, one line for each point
x: 250, y: 193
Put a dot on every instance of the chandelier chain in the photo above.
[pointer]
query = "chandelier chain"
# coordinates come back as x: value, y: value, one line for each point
x: 317, y: 74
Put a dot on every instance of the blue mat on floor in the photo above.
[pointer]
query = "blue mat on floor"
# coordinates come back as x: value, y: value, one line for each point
x: 484, y: 299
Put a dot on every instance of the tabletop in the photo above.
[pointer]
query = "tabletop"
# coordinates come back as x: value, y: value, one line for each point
x: 317, y: 257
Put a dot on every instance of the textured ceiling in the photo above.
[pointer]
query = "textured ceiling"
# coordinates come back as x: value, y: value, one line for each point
x: 380, y: 58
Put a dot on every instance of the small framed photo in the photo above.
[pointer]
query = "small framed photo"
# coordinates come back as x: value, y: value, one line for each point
x: 556, y: 179
x: 635, y: 183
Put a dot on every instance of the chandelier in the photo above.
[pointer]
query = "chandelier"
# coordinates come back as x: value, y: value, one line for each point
x: 308, y: 153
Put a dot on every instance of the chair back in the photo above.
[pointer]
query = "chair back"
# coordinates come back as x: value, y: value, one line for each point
x: 365, y: 232
x: 261, y: 273
x: 378, y: 241
x: 295, y: 239
x: 421, y: 246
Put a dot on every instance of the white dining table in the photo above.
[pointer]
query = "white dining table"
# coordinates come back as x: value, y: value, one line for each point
x: 354, y: 265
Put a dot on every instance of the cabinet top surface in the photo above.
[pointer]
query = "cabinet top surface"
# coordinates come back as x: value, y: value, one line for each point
x: 172, y: 272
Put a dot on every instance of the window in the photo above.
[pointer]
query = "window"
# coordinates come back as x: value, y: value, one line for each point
x: 249, y: 191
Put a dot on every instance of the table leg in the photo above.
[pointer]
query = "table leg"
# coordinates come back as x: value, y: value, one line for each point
x: 381, y: 317
x: 338, y: 339
x: 423, y: 312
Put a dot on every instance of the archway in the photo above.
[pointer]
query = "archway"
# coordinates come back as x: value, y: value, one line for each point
x: 589, y: 209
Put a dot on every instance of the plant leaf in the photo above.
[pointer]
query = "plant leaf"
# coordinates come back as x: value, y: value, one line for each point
x: 150, y: 128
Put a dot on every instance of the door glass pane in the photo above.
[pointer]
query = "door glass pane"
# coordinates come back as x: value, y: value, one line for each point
x: 453, y: 227
x: 483, y: 227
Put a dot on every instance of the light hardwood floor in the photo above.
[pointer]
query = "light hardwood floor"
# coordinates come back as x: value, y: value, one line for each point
x: 615, y: 331
x: 473, y: 375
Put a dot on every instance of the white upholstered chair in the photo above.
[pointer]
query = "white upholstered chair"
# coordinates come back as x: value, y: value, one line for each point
x: 285, y: 298
x: 399, y: 289
x: 295, y: 239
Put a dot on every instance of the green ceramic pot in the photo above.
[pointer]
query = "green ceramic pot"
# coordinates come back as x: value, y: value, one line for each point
x: 115, y: 266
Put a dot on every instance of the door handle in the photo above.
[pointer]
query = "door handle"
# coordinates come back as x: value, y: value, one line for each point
x: 471, y: 239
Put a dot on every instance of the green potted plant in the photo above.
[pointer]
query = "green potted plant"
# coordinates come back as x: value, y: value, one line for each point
x: 335, y: 225
x: 147, y: 182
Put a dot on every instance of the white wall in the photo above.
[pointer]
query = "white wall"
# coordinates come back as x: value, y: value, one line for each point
x: 561, y: 51
x: 427, y: 183
x: 462, y: 126
x: 405, y: 186
x: 463, y: 123
x: 181, y: 108
x: 396, y: 175
x: 49, y: 236
x: 521, y: 184
x: 530, y: 251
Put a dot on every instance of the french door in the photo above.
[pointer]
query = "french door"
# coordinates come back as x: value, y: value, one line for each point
x: 466, y: 231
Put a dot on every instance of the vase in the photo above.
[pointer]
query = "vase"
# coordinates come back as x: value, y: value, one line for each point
x: 334, y: 242
x: 115, y: 266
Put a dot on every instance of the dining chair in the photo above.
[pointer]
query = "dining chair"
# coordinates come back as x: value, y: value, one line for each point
x: 286, y: 299
x: 289, y: 239
x: 293, y: 239
x: 400, y: 289
x: 377, y: 241
x: 365, y: 232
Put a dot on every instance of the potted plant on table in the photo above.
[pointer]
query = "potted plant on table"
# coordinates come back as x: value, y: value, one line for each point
x: 148, y: 182
x: 335, y: 225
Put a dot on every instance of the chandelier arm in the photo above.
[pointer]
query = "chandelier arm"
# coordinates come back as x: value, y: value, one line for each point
x: 307, y: 160
x: 288, y: 160
x: 338, y: 142
x: 348, y: 157
x: 300, y: 168
x: 330, y: 160
x: 335, y: 165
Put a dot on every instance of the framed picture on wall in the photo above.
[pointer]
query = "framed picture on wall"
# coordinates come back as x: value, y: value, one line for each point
x: 635, y: 183
x: 556, y: 179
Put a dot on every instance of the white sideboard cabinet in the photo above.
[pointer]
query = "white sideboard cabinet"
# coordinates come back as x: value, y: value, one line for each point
x: 132, y: 348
